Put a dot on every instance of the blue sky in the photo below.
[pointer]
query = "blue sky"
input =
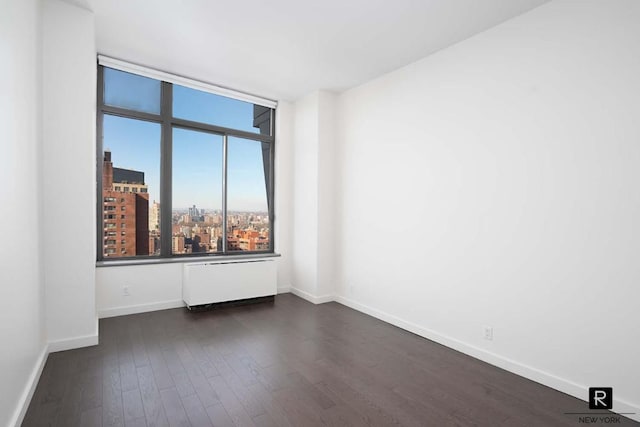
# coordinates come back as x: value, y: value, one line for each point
x: 197, y: 156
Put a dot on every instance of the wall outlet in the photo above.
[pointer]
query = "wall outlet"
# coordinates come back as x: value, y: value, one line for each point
x: 125, y: 291
x: 488, y: 333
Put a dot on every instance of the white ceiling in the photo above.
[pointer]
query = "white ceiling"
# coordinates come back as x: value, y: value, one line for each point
x: 284, y: 49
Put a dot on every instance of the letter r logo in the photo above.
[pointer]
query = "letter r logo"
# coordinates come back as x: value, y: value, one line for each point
x: 600, y: 398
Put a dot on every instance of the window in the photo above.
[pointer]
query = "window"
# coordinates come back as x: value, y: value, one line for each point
x: 130, y: 91
x: 189, y: 172
x: 192, y: 169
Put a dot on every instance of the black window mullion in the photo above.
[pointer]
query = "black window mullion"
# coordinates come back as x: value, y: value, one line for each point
x: 271, y: 178
x: 188, y: 124
x: 132, y: 114
x: 99, y: 164
x: 225, y: 151
x: 166, y: 152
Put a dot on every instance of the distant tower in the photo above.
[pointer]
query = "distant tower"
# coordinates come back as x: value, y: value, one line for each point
x: 154, y: 217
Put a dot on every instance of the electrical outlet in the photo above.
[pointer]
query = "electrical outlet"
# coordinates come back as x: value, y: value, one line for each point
x: 488, y: 333
x: 125, y: 291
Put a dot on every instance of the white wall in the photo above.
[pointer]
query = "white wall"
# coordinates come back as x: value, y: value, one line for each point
x: 305, y: 195
x: 284, y: 193
x: 326, y: 193
x: 150, y: 287
x: 313, y: 195
x: 69, y: 187
x: 22, y: 331
x: 496, y: 183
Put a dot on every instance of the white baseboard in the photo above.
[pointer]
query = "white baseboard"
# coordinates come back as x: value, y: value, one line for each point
x: 284, y: 289
x: 312, y: 298
x: 139, y: 308
x: 566, y: 386
x: 30, y: 388
x: 71, y: 343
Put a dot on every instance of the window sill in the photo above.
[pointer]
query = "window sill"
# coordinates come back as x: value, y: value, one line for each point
x: 184, y: 260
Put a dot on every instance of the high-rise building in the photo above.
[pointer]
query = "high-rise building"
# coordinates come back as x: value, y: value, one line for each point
x: 186, y: 231
x: 153, y: 244
x: 125, y: 211
x: 154, y: 217
x: 177, y: 244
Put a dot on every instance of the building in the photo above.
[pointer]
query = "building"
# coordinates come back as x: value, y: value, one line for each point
x: 154, y: 217
x: 126, y: 211
x: 177, y: 244
x: 154, y: 243
x: 248, y: 240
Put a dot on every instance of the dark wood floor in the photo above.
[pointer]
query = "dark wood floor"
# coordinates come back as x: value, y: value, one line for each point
x: 285, y: 363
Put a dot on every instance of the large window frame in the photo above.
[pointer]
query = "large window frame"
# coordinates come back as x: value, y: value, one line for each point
x: 168, y: 122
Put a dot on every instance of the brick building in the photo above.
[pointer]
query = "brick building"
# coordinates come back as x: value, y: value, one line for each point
x: 125, y: 211
x: 247, y: 240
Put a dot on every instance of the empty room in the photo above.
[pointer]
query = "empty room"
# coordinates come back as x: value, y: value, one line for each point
x: 296, y: 213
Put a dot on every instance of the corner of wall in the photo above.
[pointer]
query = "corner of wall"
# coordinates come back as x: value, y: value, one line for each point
x: 312, y: 298
x: 284, y: 192
x: 313, y: 169
x: 30, y: 388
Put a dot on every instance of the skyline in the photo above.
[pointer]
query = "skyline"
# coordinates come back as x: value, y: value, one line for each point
x: 133, y: 228
x: 209, y: 211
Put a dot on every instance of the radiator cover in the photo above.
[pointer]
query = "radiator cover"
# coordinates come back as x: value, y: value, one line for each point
x: 213, y: 282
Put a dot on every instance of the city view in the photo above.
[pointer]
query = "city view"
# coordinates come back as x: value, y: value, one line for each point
x: 132, y: 222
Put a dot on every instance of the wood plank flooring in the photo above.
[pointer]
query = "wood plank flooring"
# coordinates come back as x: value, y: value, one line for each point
x: 285, y: 363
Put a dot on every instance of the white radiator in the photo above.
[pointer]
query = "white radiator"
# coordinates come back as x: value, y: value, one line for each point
x: 219, y: 281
